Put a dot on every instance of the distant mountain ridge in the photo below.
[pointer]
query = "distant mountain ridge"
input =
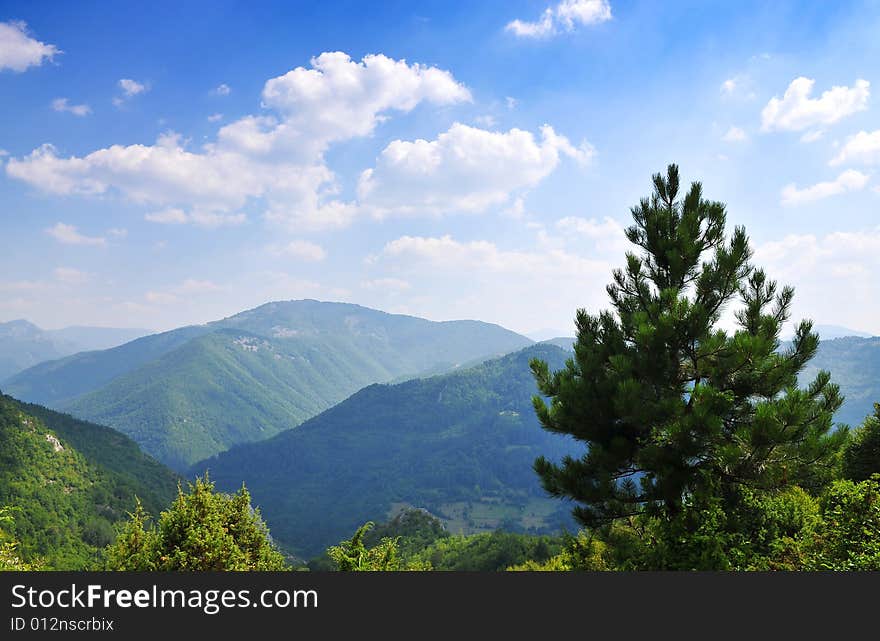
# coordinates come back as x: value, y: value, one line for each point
x: 23, y: 344
x: 195, y: 391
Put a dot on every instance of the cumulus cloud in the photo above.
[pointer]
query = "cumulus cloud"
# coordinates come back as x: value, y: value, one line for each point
x: 862, y: 148
x: 565, y: 16
x: 19, y: 51
x: 275, y: 157
x: 63, y: 105
x: 797, y: 111
x: 130, y: 88
x: 734, y: 134
x: 465, y: 169
x: 849, y: 180
x: 215, y: 117
x: 607, y: 234
x: 69, y: 235
x: 222, y: 90
x: 300, y: 249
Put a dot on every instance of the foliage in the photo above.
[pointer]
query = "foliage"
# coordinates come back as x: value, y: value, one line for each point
x: 861, y: 456
x: 188, y: 394
x: 583, y: 552
x: 10, y: 561
x: 66, y: 501
x: 203, y: 530
x: 352, y: 555
x: 462, y: 437
x: 753, y: 530
x: 671, y: 408
x: 849, y: 535
x: 489, y: 551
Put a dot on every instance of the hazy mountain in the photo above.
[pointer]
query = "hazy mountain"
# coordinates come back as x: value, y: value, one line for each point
x: 69, y: 482
x: 461, y: 445
x: 23, y: 344
x: 190, y: 393
x: 854, y: 364
x: 830, y: 332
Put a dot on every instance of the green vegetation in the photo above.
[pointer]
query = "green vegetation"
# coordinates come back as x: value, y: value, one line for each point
x: 673, y: 409
x: 64, y: 503
x: 861, y: 456
x: 193, y: 392
x: 203, y: 530
x: 461, y: 442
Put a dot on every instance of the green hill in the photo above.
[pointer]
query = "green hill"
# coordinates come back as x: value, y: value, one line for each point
x: 68, y: 482
x: 190, y: 393
x: 460, y: 445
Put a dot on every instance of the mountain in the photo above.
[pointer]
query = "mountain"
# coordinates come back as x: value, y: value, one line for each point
x: 187, y: 394
x: 854, y: 364
x: 830, y: 332
x: 460, y: 445
x: 23, y: 344
x: 69, y: 482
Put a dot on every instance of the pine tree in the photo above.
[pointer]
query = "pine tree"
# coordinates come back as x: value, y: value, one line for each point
x: 203, y: 530
x: 669, y: 404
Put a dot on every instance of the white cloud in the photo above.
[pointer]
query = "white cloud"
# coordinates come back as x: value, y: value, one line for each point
x: 484, y: 255
x: 222, y: 90
x: 729, y: 86
x: 215, y: 117
x: 465, y: 169
x: 18, y: 51
x: 849, y: 180
x: 796, y: 111
x: 812, y: 136
x: 478, y: 279
x: 565, y: 16
x: 131, y: 87
x: 829, y: 272
x: 275, y: 157
x: 301, y: 249
x: 511, y: 102
x: 62, y: 105
x: 738, y: 87
x: 200, y: 218
x: 70, y: 276
x: 69, y: 235
x: 117, y: 232
x: 607, y: 234
x: 863, y: 148
x: 734, y: 134
x: 170, y: 216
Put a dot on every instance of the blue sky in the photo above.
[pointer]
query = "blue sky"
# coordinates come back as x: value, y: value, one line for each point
x: 165, y: 165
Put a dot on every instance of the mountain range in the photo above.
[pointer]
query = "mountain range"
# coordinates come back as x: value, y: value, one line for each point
x: 23, y: 344
x: 187, y: 394
x: 460, y: 445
